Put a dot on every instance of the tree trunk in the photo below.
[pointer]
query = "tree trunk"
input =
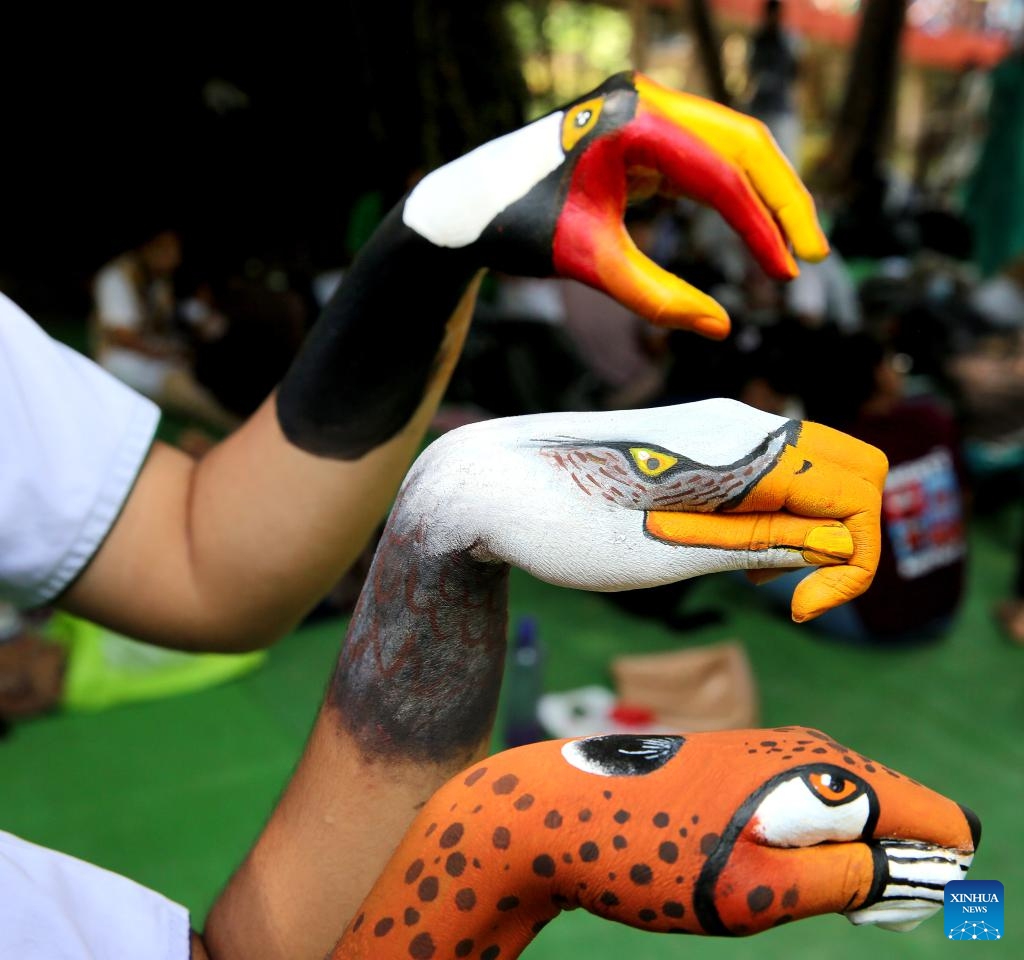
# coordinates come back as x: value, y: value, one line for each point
x: 709, y: 49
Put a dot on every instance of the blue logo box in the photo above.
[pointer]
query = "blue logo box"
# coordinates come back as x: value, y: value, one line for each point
x: 973, y: 910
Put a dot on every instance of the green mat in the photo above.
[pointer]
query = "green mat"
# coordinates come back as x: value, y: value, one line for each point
x: 172, y: 792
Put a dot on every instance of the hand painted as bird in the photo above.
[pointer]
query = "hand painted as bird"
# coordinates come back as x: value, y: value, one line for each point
x: 549, y: 198
x: 637, y: 498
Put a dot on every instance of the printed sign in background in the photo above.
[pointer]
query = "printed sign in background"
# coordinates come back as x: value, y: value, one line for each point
x: 973, y: 910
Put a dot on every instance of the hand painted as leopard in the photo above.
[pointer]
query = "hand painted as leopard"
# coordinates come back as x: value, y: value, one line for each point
x: 714, y: 833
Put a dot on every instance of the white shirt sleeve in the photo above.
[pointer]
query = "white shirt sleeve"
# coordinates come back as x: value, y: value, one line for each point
x: 117, y: 302
x: 72, y: 441
x: 54, y: 907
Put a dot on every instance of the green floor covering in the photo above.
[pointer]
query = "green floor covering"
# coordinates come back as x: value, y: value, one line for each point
x: 171, y: 793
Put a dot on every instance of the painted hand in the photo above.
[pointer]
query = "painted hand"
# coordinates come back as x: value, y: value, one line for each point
x: 619, y: 501
x: 549, y: 198
x: 710, y: 833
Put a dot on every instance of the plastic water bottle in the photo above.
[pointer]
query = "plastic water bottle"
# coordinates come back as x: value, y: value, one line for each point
x: 524, y: 684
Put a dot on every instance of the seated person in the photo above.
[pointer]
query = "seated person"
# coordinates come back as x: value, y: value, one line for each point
x: 135, y: 316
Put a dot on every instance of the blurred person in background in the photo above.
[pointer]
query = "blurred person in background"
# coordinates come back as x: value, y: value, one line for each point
x: 774, y: 68
x: 137, y: 329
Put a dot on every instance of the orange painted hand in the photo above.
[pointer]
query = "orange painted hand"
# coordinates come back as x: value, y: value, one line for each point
x: 722, y: 834
x: 549, y: 198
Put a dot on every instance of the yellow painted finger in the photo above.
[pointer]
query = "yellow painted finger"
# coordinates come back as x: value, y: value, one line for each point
x: 747, y: 143
x: 809, y: 539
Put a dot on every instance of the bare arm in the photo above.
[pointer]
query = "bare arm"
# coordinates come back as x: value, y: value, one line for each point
x: 229, y: 552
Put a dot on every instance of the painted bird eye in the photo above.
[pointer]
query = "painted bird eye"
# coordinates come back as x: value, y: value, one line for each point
x: 831, y: 787
x: 579, y: 121
x: 652, y: 463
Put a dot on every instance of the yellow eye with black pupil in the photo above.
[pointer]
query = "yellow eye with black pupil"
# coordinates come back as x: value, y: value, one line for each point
x: 832, y: 787
x: 652, y: 463
x: 579, y: 121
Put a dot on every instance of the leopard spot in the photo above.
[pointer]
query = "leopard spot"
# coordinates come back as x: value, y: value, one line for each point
x: 415, y: 869
x: 524, y: 802
x: 790, y: 898
x: 647, y: 915
x: 474, y: 776
x: 660, y: 819
x: 451, y: 836
x: 673, y: 908
x: 609, y: 899
x: 428, y: 889
x: 412, y: 917
x: 491, y: 953
x: 502, y: 838
x: 708, y: 843
x: 668, y: 852
x: 619, y: 842
x: 505, y: 784
x: 584, y: 815
x: 383, y: 926
x: 455, y: 865
x: 589, y: 851
x: 465, y: 899
x: 508, y: 903
x: 553, y: 820
x: 544, y: 866
x: 760, y: 898
x: 422, y: 947
x: 641, y: 874
x: 621, y: 816
x: 463, y: 948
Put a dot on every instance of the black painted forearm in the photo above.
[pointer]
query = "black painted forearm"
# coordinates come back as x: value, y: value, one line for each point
x: 367, y: 363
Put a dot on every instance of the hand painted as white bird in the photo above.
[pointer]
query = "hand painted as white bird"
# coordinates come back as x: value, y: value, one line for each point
x: 616, y: 501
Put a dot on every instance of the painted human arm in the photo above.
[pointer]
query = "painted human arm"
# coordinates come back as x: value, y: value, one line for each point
x: 724, y: 834
x: 609, y: 501
x: 230, y: 552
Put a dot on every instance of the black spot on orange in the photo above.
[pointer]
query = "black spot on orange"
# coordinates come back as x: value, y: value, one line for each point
x: 619, y: 842
x: 474, y: 776
x: 508, y: 903
x: 752, y: 750
x: 553, y: 820
x: 760, y: 898
x: 621, y: 816
x: 790, y: 898
x: 769, y: 743
x: 785, y: 918
x: 850, y: 761
x: 566, y: 858
x: 502, y: 838
x: 422, y: 947
x: 641, y: 874
x: 359, y: 922
x: 544, y: 866
x: 415, y: 869
x: 819, y: 750
x: 708, y: 843
x: 695, y: 819
x: 611, y: 876
x: 683, y: 831
x: 383, y: 926
x: 505, y: 784
x: 589, y: 851
x: 463, y: 948
x: 491, y: 953
x: 609, y: 899
x: 412, y: 917
x: 584, y: 815
x: 668, y: 852
x: 430, y: 829
x: 524, y: 802
x: 465, y: 899
x: 607, y: 794
x: 455, y: 865
x: 539, y: 925
x: 647, y: 915
x: 673, y: 908
x: 452, y: 836
x: 428, y: 889
x: 870, y: 767
x: 660, y: 819
x: 679, y: 879
x: 476, y: 863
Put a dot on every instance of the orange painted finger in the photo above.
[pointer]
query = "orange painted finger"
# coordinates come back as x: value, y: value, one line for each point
x: 831, y: 475
x: 748, y: 144
x: 808, y: 539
